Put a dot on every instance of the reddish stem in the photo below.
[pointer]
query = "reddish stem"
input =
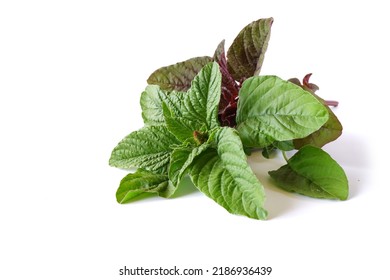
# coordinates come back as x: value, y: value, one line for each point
x: 332, y: 103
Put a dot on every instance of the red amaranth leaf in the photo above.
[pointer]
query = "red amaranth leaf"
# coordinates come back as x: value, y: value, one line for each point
x: 312, y: 88
x: 180, y: 75
x: 309, y: 86
x: 229, y: 90
x: 246, y: 54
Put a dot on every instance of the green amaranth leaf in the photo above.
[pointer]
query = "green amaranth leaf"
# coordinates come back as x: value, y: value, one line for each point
x: 178, y: 76
x: 148, y: 148
x: 181, y: 160
x: 284, y: 145
x: 329, y: 132
x: 199, y: 106
x: 223, y: 174
x: 151, y: 103
x: 202, y: 99
x: 281, y: 145
x: 312, y: 172
x: 181, y: 127
x: 271, y: 109
x: 245, y: 56
x: 140, y: 182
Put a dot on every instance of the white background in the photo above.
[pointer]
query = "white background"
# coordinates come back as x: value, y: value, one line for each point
x: 71, y: 74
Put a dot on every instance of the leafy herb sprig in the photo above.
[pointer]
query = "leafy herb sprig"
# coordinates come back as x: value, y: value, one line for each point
x: 203, y: 115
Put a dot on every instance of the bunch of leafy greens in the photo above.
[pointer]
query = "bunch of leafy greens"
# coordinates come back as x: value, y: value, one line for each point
x: 202, y: 116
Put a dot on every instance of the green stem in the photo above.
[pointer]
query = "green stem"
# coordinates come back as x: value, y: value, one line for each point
x: 285, y: 156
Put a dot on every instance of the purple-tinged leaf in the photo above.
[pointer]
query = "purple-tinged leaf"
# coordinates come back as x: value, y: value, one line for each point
x: 246, y: 54
x: 219, y: 52
x: 229, y: 90
x: 309, y: 86
x: 178, y: 76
